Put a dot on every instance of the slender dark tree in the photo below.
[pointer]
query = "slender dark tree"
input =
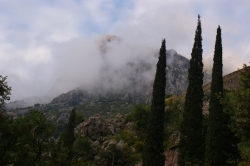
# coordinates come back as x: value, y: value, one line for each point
x: 191, y: 142
x: 153, y: 147
x: 214, y: 138
x: 68, y: 136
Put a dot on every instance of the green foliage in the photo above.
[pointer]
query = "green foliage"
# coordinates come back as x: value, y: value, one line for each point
x: 168, y: 101
x: 79, y: 118
x: 68, y: 136
x: 237, y: 104
x: 139, y: 116
x: 8, y: 139
x: 110, y: 105
x: 139, y: 146
x: 131, y: 157
x: 191, y: 144
x: 82, y: 150
x: 214, y: 138
x: 127, y: 136
x: 231, y: 153
x: 240, y: 103
x: 36, y: 132
x: 244, y: 147
x: 173, y: 119
x: 153, y: 147
x: 124, y: 155
x: 4, y: 91
x: 58, y: 154
x: 26, y: 139
x: 133, y: 146
x: 110, y: 156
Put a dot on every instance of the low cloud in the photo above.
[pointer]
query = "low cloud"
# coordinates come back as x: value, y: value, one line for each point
x: 94, y: 62
x: 43, y: 42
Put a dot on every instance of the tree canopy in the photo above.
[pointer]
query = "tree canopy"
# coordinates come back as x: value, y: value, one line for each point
x: 191, y: 142
x: 153, y: 147
x: 214, y: 138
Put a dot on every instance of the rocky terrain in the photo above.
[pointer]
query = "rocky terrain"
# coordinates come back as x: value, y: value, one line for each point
x: 96, y: 127
x: 103, y: 131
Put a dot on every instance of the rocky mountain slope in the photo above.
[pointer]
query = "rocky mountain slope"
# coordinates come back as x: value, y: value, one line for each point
x: 129, y: 78
x: 105, y: 132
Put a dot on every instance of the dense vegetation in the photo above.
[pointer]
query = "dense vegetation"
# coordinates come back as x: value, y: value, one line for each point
x: 237, y: 106
x: 4, y: 91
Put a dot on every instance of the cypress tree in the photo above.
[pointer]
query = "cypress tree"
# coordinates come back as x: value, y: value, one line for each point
x: 191, y: 142
x: 221, y: 143
x: 214, y: 138
x: 68, y: 136
x: 153, y: 147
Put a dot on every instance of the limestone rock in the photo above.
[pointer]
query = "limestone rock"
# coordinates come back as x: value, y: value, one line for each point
x: 96, y: 126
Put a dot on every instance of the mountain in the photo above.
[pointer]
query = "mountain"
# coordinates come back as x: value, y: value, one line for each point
x: 125, y: 70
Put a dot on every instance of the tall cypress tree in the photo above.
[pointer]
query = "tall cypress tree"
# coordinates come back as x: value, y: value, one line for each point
x: 153, y: 147
x: 191, y: 144
x: 214, y: 138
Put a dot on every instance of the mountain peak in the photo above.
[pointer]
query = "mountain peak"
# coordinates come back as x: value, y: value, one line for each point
x: 106, y: 40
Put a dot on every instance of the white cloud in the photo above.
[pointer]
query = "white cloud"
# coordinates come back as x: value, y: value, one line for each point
x: 40, y: 40
x: 36, y: 54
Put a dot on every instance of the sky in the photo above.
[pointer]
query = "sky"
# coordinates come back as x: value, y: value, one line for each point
x: 42, y: 41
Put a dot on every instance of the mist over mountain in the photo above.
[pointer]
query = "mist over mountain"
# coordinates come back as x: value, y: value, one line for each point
x: 111, y: 65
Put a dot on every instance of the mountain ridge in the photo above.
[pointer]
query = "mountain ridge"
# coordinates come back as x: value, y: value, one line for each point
x: 137, y: 73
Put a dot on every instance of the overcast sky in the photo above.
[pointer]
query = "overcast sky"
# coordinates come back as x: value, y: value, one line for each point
x: 38, y: 37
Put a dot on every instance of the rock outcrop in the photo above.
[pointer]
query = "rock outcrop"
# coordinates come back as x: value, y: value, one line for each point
x: 97, y: 127
x: 172, y: 157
